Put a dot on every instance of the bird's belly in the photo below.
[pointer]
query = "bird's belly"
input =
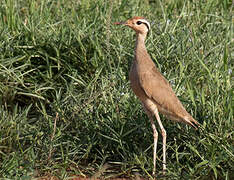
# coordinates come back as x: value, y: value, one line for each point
x: 140, y: 93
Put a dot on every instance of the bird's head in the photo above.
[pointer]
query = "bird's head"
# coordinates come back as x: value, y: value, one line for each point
x: 138, y: 24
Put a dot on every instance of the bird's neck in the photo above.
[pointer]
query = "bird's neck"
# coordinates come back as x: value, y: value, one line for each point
x: 140, y: 49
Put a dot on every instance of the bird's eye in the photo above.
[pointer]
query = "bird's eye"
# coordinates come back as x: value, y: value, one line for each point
x: 139, y: 22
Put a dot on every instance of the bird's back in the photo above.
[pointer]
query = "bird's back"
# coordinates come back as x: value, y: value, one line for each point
x: 149, y: 84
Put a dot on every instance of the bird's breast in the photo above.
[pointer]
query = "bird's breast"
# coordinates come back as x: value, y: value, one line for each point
x: 135, y: 82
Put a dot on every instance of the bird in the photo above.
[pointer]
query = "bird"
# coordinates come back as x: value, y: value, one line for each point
x: 152, y: 88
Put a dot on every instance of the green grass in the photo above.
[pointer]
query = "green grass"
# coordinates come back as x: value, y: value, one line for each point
x: 65, y: 103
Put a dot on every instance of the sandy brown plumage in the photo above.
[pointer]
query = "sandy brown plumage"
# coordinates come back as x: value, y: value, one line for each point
x: 152, y: 88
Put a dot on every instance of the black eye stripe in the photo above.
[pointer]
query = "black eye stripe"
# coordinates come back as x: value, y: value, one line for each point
x: 146, y: 25
x: 140, y: 22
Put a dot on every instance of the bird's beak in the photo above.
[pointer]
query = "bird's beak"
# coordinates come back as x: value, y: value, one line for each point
x: 120, y: 23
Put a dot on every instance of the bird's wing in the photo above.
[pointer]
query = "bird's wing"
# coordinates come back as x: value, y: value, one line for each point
x: 158, y: 88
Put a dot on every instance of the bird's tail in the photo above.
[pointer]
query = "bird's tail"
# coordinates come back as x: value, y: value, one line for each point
x: 192, y: 122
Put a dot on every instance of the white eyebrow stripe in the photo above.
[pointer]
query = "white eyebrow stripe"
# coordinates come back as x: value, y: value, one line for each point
x: 146, y: 22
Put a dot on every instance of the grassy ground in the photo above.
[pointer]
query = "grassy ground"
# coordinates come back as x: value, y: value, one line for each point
x: 65, y: 103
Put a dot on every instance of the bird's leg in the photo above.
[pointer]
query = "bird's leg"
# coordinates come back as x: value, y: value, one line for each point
x: 155, y: 134
x: 164, y: 135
